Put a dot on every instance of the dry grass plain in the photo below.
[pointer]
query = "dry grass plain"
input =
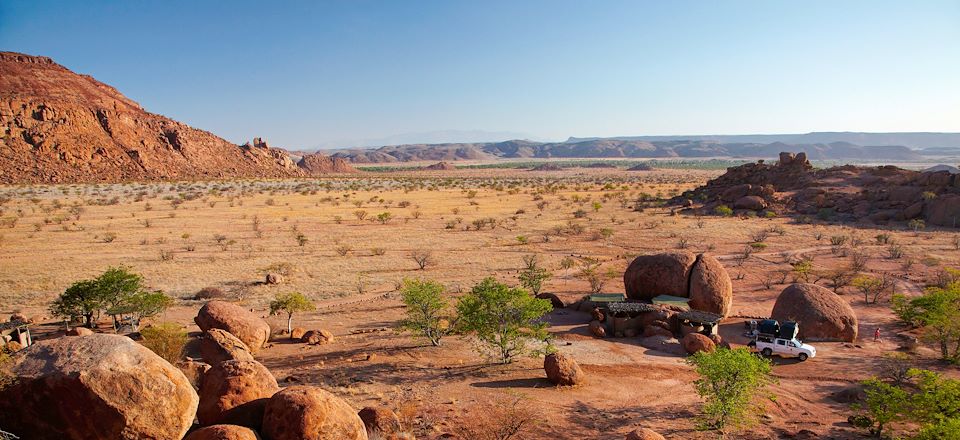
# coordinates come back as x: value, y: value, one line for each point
x: 184, y: 236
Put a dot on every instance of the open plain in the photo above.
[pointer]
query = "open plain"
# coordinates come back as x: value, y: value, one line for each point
x: 346, y: 243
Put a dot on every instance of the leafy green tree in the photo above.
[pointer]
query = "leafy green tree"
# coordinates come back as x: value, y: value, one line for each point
x: 290, y: 303
x: 885, y: 403
x: 730, y: 382
x: 82, y: 299
x: 937, y: 312
x: 142, y: 304
x: 925, y: 400
x: 427, y: 310
x: 503, y: 318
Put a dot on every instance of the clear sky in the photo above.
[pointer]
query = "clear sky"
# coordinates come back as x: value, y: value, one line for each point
x: 314, y: 73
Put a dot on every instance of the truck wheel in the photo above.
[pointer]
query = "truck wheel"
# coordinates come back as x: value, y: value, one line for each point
x: 803, y: 357
x: 767, y: 352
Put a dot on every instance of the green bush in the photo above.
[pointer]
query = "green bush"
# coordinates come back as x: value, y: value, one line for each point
x: 503, y: 319
x: 428, y: 311
x: 723, y: 211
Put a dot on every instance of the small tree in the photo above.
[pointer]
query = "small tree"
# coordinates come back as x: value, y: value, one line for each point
x: 384, y: 217
x: 422, y: 258
x: 290, y: 303
x: 884, y: 402
x: 503, y: 319
x: 873, y: 288
x: 427, y: 310
x: 82, y: 299
x: 532, y: 275
x: 730, y: 382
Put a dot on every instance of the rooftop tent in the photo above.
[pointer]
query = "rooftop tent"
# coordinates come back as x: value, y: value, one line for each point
x: 17, y: 331
x: 607, y: 297
x: 669, y: 300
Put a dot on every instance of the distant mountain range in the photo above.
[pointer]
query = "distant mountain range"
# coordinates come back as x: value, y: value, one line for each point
x: 818, y: 146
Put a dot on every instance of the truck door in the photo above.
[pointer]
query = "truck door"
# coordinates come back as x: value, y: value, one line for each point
x: 783, y: 348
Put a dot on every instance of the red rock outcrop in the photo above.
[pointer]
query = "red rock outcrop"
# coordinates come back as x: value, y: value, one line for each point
x: 59, y: 126
x: 869, y: 194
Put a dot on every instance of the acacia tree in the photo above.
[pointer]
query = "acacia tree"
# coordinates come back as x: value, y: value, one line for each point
x: 427, y: 310
x: 729, y: 383
x: 503, y: 318
x: 290, y: 303
x: 116, y: 291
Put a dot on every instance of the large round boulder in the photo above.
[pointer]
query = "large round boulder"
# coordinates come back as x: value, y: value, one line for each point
x: 253, y: 331
x: 710, y: 287
x: 659, y: 274
x: 697, y: 342
x: 822, y: 315
x: 223, y: 432
x: 317, y: 337
x: 699, y: 277
x: 217, y: 345
x: 96, y: 387
x: 235, y: 392
x: 380, y: 422
x: 562, y: 370
x: 309, y: 413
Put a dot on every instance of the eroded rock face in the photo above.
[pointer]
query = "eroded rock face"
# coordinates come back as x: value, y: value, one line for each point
x: 223, y: 432
x: 309, y: 413
x: 699, y: 277
x: 218, y: 345
x: 235, y: 392
x: 380, y: 421
x: 96, y: 387
x: 253, y: 331
x: 562, y: 369
x: 822, y: 315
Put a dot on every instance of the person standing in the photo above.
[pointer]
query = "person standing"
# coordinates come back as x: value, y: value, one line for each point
x: 876, y: 335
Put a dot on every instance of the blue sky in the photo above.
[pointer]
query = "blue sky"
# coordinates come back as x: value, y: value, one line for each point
x: 304, y: 74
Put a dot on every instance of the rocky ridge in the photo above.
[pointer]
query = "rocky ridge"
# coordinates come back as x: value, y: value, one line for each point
x: 59, y: 126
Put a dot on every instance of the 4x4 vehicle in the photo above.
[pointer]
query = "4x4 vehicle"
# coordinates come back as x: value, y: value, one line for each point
x: 783, y: 348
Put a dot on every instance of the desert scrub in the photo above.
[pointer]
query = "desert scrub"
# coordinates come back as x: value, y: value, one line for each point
x: 166, y: 339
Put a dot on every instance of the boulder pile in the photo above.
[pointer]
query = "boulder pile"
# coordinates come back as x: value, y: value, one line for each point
x: 699, y: 277
x: 875, y: 195
x: 247, y: 327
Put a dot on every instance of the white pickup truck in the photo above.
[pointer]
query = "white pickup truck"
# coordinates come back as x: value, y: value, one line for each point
x: 783, y: 348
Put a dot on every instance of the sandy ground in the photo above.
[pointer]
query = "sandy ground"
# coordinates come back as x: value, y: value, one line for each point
x: 185, y: 236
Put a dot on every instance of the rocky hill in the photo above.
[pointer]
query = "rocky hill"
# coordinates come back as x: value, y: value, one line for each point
x: 622, y: 148
x: 60, y: 126
x: 867, y: 194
